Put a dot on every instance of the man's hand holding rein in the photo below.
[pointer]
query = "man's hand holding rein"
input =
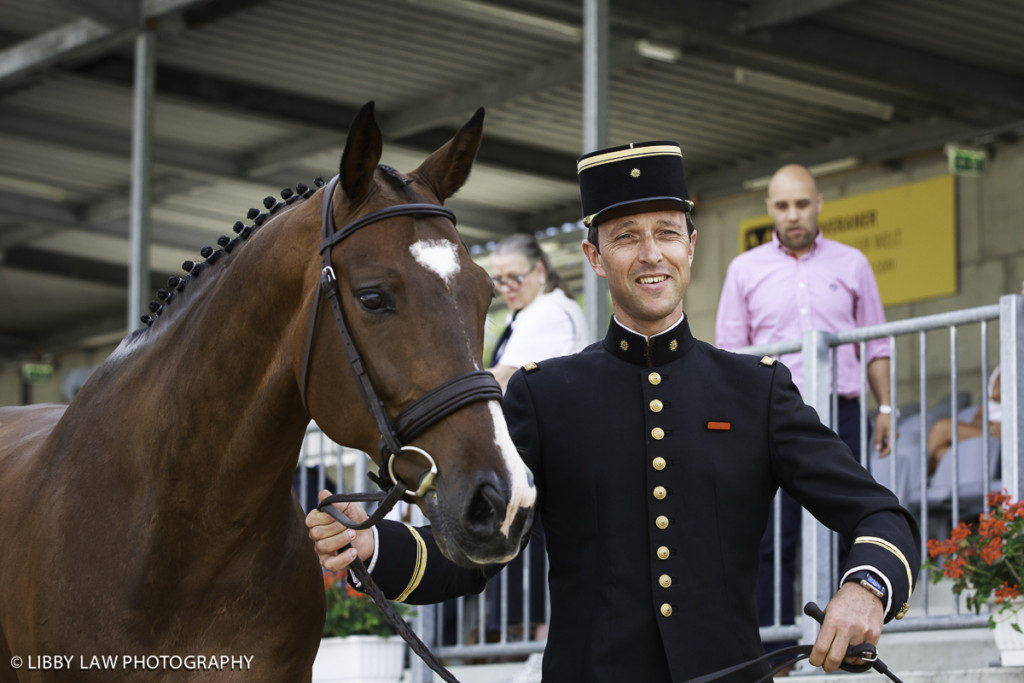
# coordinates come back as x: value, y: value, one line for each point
x: 336, y: 544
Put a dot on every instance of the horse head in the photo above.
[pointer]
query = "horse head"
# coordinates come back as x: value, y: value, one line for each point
x: 414, y: 304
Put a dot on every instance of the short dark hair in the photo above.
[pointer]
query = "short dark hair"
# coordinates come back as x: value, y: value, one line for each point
x: 592, y: 230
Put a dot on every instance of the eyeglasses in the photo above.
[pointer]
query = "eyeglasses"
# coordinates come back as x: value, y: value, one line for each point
x: 512, y: 281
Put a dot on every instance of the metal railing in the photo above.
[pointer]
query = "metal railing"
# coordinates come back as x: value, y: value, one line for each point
x: 819, y: 546
x: 818, y: 349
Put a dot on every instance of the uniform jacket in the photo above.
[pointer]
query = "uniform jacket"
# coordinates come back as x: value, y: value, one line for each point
x: 655, y: 463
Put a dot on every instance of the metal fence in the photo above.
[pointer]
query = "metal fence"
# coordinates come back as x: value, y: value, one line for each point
x: 464, y: 622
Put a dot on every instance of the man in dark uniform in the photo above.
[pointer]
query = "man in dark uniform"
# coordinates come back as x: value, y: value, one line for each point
x: 655, y: 457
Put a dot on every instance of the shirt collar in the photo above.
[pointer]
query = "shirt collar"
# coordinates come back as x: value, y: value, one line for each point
x: 815, y: 245
x: 638, y: 349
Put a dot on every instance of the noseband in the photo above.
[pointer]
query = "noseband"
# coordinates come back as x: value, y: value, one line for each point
x: 427, y: 410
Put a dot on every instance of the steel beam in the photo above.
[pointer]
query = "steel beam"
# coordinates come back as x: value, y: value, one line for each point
x: 432, y: 112
x: 596, y: 33
x: 769, y: 13
x: 887, y: 143
x: 77, y: 39
x: 140, y: 228
x: 55, y: 263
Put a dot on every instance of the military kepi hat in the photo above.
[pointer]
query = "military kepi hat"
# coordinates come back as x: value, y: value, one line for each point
x: 633, y: 178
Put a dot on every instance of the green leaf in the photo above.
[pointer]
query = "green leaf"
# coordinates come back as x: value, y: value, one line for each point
x: 1016, y: 627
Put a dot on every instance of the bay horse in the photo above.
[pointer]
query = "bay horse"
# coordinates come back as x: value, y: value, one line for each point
x: 154, y: 514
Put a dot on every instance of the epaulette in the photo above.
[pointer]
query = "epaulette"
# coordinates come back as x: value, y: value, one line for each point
x: 530, y: 367
x: 767, y: 361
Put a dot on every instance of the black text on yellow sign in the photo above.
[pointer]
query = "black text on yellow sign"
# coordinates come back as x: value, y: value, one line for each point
x: 907, y: 232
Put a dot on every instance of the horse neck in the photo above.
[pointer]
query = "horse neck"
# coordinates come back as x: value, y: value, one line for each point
x: 206, y: 400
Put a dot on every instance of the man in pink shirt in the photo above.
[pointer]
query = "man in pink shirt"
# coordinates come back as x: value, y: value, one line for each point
x: 801, y: 281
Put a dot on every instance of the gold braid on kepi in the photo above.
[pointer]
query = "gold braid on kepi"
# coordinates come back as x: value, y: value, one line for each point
x: 633, y: 178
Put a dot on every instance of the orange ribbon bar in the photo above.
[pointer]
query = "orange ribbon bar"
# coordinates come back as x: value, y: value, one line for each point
x: 720, y: 426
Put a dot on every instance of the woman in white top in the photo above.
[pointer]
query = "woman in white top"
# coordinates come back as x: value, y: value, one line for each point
x: 544, y: 320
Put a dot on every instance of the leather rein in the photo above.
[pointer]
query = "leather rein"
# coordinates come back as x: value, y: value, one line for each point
x: 427, y: 410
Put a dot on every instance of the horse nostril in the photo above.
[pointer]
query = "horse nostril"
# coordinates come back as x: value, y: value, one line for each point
x: 486, y: 511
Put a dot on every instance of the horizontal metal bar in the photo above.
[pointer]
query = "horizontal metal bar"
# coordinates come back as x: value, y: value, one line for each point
x: 936, y: 623
x: 774, y: 634
x: 858, y: 334
x: 491, y: 649
x: 924, y: 323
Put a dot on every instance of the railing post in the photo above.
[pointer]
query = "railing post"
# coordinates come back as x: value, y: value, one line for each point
x: 1011, y: 380
x: 817, y: 548
x: 426, y: 629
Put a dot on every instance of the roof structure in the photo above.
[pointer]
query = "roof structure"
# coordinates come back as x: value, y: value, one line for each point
x: 254, y: 95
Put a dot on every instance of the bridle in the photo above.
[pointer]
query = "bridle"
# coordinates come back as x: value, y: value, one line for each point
x: 428, y: 409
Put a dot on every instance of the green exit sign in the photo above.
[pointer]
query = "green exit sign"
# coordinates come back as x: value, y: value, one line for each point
x: 966, y: 161
x: 36, y: 372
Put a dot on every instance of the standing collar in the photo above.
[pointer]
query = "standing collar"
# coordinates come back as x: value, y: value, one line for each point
x: 638, y: 349
x: 815, y: 245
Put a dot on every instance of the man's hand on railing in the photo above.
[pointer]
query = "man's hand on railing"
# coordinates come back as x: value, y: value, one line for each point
x: 883, y: 422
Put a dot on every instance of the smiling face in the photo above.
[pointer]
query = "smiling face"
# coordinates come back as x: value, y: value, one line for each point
x: 646, y: 260
x: 794, y: 204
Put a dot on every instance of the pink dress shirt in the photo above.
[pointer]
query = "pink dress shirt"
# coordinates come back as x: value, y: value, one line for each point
x: 770, y: 295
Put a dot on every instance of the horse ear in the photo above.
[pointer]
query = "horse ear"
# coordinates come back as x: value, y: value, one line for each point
x: 362, y: 153
x: 446, y: 170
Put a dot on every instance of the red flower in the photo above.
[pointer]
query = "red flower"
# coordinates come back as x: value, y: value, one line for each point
x: 1005, y: 593
x: 328, y: 579
x: 353, y: 593
x: 997, y: 499
x: 954, y: 569
x: 960, y: 533
x: 992, y: 551
x: 936, y: 547
x: 992, y: 526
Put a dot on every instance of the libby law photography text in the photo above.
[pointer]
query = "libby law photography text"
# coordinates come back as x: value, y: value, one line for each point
x: 133, y: 662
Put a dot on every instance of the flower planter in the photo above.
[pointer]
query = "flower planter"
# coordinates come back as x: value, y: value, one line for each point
x: 359, y: 659
x: 1008, y: 640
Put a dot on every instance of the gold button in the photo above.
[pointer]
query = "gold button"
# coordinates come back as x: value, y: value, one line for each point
x: 661, y: 522
x: 666, y: 610
x: 624, y: 345
x: 656, y: 406
x: 658, y: 433
x: 660, y: 492
x: 664, y: 580
x: 654, y: 378
x: 663, y: 553
x: 658, y: 463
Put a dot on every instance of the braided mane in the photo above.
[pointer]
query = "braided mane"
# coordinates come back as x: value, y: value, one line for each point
x: 210, y: 255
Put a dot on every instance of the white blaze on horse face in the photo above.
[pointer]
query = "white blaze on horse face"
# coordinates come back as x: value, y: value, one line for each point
x: 440, y: 257
x: 523, y: 494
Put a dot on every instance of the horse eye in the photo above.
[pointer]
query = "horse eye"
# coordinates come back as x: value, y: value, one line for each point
x: 371, y: 300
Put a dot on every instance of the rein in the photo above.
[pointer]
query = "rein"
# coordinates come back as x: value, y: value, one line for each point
x: 426, y: 411
x: 795, y: 653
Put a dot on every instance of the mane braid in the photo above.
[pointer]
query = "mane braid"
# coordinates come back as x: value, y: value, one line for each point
x: 394, y: 178
x: 176, y: 284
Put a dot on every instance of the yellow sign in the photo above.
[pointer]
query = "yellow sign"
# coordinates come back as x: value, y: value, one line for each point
x: 908, y: 233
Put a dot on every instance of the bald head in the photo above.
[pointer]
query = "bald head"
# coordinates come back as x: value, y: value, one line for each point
x: 794, y: 204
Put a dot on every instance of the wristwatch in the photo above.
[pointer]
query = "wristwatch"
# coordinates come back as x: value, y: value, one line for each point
x: 872, y: 582
x: 885, y: 409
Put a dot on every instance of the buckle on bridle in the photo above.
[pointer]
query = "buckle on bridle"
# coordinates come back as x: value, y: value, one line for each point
x: 426, y: 481
x: 327, y: 276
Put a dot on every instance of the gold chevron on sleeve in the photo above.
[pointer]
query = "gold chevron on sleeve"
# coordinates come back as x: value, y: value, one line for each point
x: 881, y: 542
x: 418, y: 568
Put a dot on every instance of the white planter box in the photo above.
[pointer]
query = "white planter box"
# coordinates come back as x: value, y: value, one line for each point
x: 359, y: 659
